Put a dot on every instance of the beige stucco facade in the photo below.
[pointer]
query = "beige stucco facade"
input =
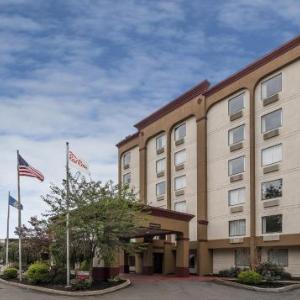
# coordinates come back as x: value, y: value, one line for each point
x: 218, y: 180
x: 204, y: 110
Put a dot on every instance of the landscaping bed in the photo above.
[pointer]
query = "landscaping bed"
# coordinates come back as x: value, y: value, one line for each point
x: 94, y: 287
x: 266, y: 284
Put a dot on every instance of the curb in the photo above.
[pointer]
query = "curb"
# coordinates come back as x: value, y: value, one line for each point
x: 66, y: 293
x: 257, y: 289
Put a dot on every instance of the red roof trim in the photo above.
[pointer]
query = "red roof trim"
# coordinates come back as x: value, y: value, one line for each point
x: 187, y: 96
x: 127, y: 139
x: 167, y: 213
x: 255, y: 65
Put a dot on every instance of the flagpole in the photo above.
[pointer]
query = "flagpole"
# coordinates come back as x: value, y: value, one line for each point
x: 19, y: 220
x: 7, y: 230
x: 68, y: 215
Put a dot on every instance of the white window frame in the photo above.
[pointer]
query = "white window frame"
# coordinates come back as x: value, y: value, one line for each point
x: 178, y: 177
x: 231, y: 131
x: 177, y: 153
x: 263, y: 124
x: 229, y: 161
x: 264, y: 226
x: 175, y: 130
x: 286, y: 259
x: 236, y: 190
x: 163, y: 161
x: 269, y: 181
x: 273, y: 162
x: 232, y: 99
x: 127, y: 155
x: 241, y: 221
x: 163, y: 138
x: 127, y: 174
x: 180, y: 203
x: 266, y: 81
x: 156, y: 187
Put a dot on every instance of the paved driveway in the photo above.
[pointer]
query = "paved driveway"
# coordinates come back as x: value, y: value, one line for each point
x: 154, y: 288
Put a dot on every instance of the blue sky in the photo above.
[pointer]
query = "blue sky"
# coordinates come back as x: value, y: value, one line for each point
x: 86, y: 71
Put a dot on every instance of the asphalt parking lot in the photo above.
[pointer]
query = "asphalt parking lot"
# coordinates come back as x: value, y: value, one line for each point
x: 154, y: 288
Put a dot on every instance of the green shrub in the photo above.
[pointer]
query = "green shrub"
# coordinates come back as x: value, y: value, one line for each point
x: 58, y: 275
x: 77, y: 284
x: 250, y: 277
x: 10, y: 273
x: 272, y: 272
x: 38, y: 273
x: 85, y: 266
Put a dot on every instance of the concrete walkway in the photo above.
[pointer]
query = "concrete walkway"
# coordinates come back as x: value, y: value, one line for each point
x: 158, y: 288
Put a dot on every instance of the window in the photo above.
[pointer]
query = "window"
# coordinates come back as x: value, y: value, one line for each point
x: 126, y: 178
x: 272, y: 224
x: 180, y: 132
x: 160, y: 142
x: 242, y: 257
x: 236, y: 196
x: 278, y: 257
x: 126, y: 159
x: 236, y: 135
x: 180, y: 206
x: 271, y: 189
x: 272, y: 155
x: 180, y: 157
x: 237, y: 227
x: 271, y: 121
x: 236, y: 165
x: 160, y: 165
x: 271, y: 86
x: 179, y: 183
x: 236, y: 104
x: 160, y: 188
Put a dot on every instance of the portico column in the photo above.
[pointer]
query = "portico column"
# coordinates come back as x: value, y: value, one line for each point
x: 148, y: 260
x: 169, y: 261
x: 138, y: 263
x: 182, y: 256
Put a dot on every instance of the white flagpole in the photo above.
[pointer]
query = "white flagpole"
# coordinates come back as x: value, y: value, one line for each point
x: 19, y: 220
x: 68, y: 215
x: 7, y: 230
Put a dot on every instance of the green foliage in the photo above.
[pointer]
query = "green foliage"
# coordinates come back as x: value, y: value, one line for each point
x: 232, y: 272
x: 38, y: 273
x: 77, y: 284
x: 272, y: 272
x: 85, y: 266
x: 250, y: 277
x: 58, y: 275
x: 100, y: 215
x: 10, y: 273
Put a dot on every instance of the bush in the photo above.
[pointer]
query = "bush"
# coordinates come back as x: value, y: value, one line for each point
x: 10, y: 273
x: 38, y: 273
x: 77, y: 284
x: 85, y: 266
x: 250, y: 277
x: 232, y: 272
x: 58, y: 275
x: 271, y: 272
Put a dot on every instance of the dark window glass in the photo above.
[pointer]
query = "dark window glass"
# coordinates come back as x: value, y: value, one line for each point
x: 272, y: 224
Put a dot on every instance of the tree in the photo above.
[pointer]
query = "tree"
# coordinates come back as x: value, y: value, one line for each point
x: 101, y: 217
x: 35, y: 240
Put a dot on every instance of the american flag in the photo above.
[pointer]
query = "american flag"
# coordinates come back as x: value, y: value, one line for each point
x: 25, y: 169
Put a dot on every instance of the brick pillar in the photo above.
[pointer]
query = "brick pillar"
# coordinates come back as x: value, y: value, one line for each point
x: 182, y: 257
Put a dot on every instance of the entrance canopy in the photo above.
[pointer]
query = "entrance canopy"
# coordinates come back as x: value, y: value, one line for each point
x: 160, y: 221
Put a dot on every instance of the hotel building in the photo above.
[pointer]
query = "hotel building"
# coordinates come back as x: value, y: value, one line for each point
x: 226, y: 160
